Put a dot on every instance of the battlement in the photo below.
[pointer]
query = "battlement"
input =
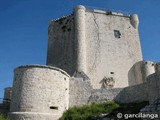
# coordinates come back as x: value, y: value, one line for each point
x: 107, y: 12
x: 149, y: 63
x: 133, y: 17
x: 61, y: 18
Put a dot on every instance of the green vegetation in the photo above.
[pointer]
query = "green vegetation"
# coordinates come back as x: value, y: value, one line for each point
x: 88, y: 112
x: 2, y: 117
x: 96, y: 111
x: 133, y: 108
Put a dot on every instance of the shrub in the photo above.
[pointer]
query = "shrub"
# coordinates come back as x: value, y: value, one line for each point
x: 86, y: 112
x: 2, y: 117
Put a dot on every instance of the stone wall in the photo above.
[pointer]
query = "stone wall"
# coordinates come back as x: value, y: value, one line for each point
x: 101, y: 95
x: 61, y: 44
x: 82, y: 93
x: 157, y: 67
x: 132, y: 94
x: 111, y: 48
x: 135, y: 74
x: 89, y: 41
x: 154, y: 86
x: 39, y: 91
x: 7, y: 93
x: 79, y: 91
x: 147, y: 91
x: 140, y: 71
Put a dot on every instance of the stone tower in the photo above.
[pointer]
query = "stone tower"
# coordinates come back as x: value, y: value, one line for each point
x: 102, y: 44
x: 39, y: 93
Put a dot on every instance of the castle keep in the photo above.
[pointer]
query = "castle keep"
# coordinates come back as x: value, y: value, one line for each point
x: 93, y: 55
x: 101, y: 44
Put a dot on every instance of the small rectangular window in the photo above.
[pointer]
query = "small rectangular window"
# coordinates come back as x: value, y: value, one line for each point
x: 117, y: 34
x: 111, y: 72
x: 54, y: 107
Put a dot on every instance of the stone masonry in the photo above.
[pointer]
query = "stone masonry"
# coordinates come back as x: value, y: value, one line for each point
x: 39, y: 91
x: 89, y: 41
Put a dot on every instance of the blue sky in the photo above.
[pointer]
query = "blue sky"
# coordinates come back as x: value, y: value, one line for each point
x: 24, y: 29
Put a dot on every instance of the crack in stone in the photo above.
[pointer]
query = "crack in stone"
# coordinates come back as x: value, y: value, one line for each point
x: 98, y: 42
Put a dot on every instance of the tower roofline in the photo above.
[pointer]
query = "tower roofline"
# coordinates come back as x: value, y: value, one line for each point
x: 104, y: 11
x: 43, y: 66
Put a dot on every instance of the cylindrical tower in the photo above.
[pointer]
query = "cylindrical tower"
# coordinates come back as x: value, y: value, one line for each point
x: 157, y: 67
x: 79, y: 15
x: 39, y: 93
x: 148, y: 69
x: 7, y: 95
x: 134, y: 20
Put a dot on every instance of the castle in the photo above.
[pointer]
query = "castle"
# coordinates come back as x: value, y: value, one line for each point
x: 93, y: 55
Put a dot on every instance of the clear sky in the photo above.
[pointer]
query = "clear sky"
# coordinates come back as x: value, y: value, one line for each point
x: 24, y: 29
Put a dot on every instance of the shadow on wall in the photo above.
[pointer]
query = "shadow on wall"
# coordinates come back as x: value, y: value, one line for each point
x: 133, y: 94
x: 135, y: 74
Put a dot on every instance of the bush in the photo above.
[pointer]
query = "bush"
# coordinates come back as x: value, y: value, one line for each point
x: 2, y: 117
x: 86, y: 112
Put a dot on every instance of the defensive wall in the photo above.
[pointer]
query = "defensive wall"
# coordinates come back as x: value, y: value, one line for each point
x: 36, y: 87
x: 148, y: 91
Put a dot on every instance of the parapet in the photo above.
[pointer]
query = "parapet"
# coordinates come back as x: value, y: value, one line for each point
x: 43, y: 66
x: 59, y: 19
x: 104, y: 11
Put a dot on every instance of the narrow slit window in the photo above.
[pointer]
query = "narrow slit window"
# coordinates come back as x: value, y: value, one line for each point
x: 54, y: 107
x: 111, y: 72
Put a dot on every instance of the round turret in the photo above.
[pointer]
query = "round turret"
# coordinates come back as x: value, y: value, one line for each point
x: 7, y: 95
x: 39, y: 93
x: 148, y: 69
x: 157, y: 67
x: 80, y: 7
x: 134, y: 20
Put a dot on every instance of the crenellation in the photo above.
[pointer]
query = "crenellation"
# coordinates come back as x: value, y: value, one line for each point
x: 61, y: 18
